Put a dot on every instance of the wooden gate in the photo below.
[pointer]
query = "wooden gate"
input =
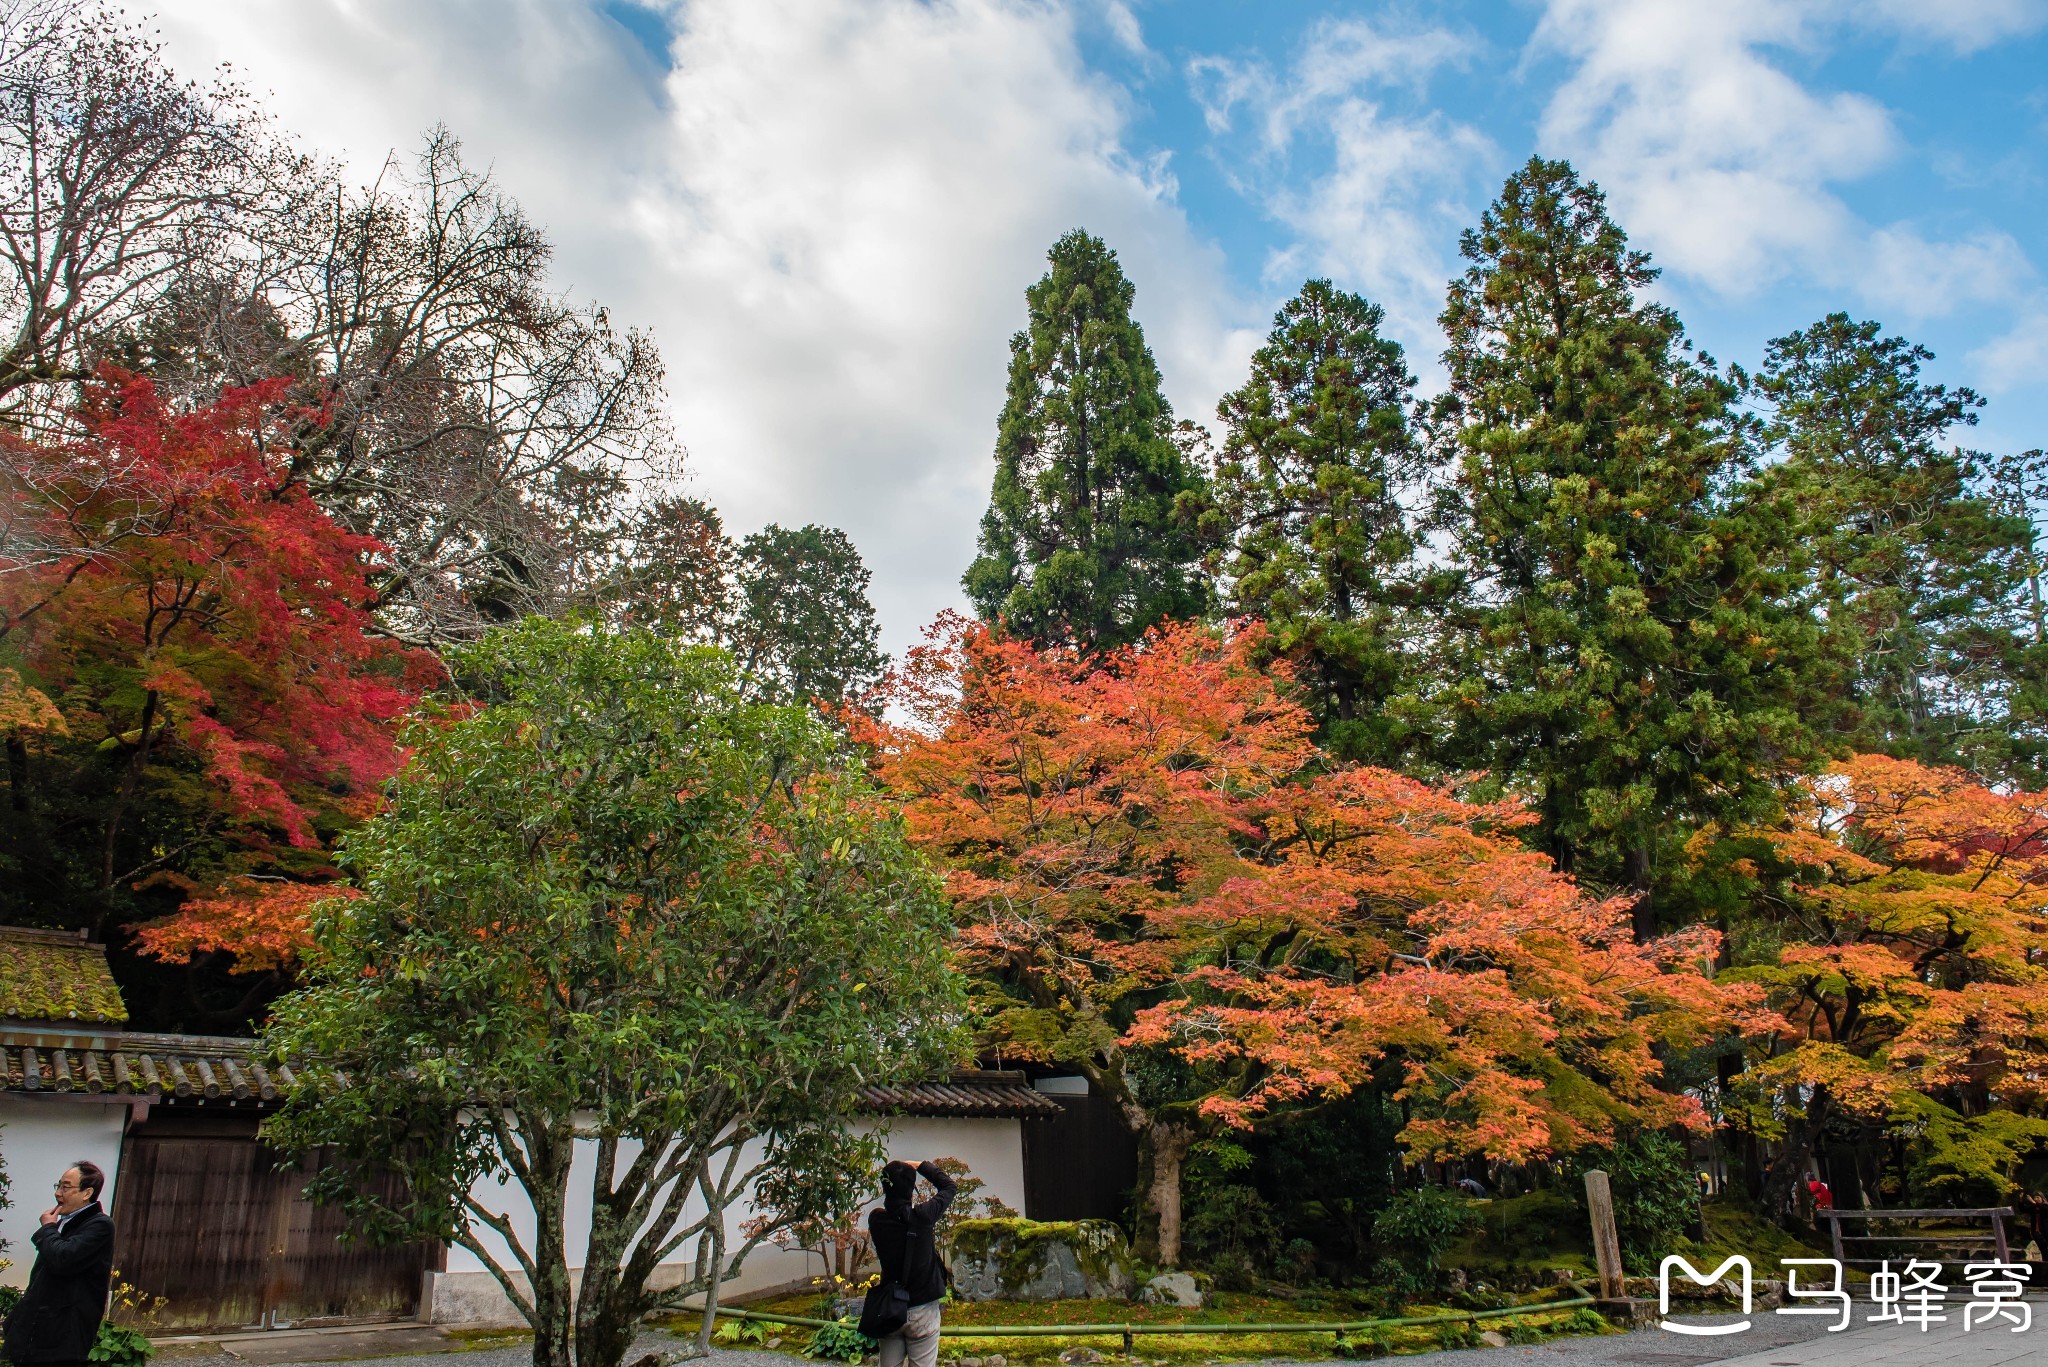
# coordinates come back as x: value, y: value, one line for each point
x: 204, y: 1219
x: 1081, y: 1166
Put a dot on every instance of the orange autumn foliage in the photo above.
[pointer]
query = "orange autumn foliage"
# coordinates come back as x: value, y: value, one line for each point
x: 1916, y: 956
x: 1147, y: 852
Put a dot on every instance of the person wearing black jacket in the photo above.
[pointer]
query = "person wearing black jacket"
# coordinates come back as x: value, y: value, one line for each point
x: 904, y: 1243
x: 57, y: 1319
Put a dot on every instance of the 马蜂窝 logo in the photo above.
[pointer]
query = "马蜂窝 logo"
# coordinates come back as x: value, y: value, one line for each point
x: 1699, y: 1278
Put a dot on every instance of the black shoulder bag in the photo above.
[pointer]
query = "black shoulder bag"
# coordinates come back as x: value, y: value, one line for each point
x: 886, y: 1307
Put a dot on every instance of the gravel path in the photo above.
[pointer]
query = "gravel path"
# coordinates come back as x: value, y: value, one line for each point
x: 1643, y: 1348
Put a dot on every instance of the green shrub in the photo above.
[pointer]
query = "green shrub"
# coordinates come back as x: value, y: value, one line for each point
x: 1521, y: 1331
x: 1656, y: 1195
x: 740, y: 1331
x: 1233, y: 1235
x: 840, y: 1341
x: 1419, y: 1226
x: 1457, y: 1334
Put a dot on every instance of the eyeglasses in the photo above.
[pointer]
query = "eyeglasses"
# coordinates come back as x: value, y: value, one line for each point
x: 67, y: 1186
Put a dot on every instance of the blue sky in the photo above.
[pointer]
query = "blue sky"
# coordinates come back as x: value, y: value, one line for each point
x: 826, y: 211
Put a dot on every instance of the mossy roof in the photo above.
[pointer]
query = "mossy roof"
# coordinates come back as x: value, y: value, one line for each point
x: 47, y: 975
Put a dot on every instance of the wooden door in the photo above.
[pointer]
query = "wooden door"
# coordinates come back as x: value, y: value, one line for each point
x: 205, y: 1219
x: 1082, y: 1165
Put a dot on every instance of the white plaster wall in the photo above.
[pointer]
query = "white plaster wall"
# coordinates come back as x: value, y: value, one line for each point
x: 467, y: 1293
x: 39, y: 1138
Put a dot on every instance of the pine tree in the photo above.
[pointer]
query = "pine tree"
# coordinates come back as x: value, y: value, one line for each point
x: 1633, y: 656
x: 1089, y: 538
x: 1924, y: 567
x: 1317, y: 455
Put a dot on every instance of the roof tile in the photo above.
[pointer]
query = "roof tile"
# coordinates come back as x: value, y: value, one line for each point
x: 46, y: 975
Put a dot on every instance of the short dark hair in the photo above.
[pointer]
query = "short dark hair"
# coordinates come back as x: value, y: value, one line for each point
x: 899, y: 1180
x: 90, y: 1178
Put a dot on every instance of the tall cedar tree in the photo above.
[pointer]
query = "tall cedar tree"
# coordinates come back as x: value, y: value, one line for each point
x: 1630, y: 660
x: 1088, y: 539
x: 1316, y: 453
x: 1924, y: 570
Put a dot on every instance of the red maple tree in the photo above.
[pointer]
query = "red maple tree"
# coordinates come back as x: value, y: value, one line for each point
x: 196, y: 629
x: 1151, y: 859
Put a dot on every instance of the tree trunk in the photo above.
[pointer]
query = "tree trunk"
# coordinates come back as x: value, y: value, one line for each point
x: 1162, y: 1149
x: 1636, y: 868
x: 554, y: 1317
x: 1781, y: 1182
x: 607, y: 1310
x: 131, y: 782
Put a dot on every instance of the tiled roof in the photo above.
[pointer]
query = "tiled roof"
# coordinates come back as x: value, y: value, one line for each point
x: 990, y: 1095
x: 158, y: 1067
x: 47, y: 975
x: 219, y: 1068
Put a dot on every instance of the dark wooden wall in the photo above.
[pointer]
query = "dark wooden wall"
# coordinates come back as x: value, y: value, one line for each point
x: 1081, y: 1166
x: 204, y: 1218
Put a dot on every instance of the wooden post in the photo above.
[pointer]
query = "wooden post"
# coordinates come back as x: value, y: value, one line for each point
x: 1606, y: 1238
x: 1998, y: 1236
x: 1835, y: 1238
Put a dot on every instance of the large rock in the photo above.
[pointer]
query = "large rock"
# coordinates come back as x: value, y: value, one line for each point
x: 1032, y: 1260
x: 1173, y: 1288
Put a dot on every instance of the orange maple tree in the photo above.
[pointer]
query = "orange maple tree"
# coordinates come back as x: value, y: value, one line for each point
x: 197, y: 657
x: 1912, y: 981
x: 1165, y: 884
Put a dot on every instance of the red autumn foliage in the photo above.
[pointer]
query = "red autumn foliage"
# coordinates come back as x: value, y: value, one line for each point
x: 173, y: 584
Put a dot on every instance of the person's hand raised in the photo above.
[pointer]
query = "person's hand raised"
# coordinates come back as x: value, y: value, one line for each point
x: 49, y: 1217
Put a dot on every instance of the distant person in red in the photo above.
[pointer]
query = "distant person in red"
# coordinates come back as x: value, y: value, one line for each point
x: 1823, y: 1199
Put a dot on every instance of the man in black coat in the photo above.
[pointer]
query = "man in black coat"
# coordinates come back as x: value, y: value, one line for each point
x: 58, y: 1317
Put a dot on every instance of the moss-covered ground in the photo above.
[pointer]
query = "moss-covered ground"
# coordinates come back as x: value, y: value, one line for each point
x: 1225, y: 1308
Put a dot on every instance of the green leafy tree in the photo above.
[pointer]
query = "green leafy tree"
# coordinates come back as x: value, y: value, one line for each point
x: 1925, y: 572
x: 613, y: 911
x: 791, y: 604
x: 803, y: 626
x: 1317, y: 456
x: 1090, y: 536
x: 1630, y: 649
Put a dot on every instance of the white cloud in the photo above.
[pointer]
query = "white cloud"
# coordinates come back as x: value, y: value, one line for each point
x: 1964, y: 25
x: 1726, y: 166
x: 2017, y: 360
x: 827, y: 211
x: 1382, y: 213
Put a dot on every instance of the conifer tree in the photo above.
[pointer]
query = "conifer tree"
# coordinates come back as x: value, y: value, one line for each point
x: 1924, y: 563
x: 1317, y: 454
x: 1632, y: 651
x: 1089, y: 538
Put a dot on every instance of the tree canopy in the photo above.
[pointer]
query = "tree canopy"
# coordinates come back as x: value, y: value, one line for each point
x: 647, y: 914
